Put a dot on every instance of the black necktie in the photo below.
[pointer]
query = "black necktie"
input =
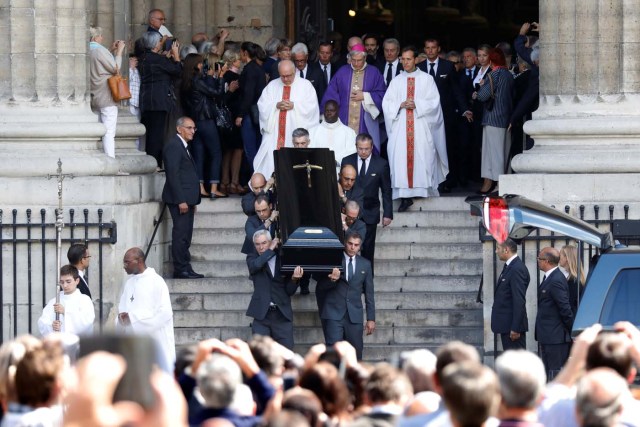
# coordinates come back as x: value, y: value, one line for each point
x: 469, y: 73
x: 326, y: 75
x: 431, y: 65
x: 389, y: 73
x: 301, y: 74
x: 350, y: 268
x: 363, y: 169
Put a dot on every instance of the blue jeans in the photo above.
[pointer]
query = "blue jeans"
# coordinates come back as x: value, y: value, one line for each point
x: 207, y: 142
x: 251, y: 139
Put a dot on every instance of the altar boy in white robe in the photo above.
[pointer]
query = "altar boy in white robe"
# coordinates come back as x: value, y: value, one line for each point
x: 333, y: 134
x: 75, y: 309
x: 286, y: 104
x: 417, y: 146
x: 145, y: 307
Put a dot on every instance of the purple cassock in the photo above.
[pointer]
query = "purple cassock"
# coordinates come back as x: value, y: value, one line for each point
x: 339, y: 90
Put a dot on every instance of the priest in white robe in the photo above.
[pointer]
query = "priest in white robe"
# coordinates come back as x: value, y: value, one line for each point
x: 75, y: 309
x: 334, y: 135
x: 145, y: 307
x: 417, y: 145
x: 286, y: 103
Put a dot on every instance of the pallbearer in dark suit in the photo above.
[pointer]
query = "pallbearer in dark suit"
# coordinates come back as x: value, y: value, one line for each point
x: 181, y: 193
x: 374, y: 177
x: 270, y: 304
x: 339, y: 297
x: 509, y: 312
x: 264, y: 219
x: 555, y: 318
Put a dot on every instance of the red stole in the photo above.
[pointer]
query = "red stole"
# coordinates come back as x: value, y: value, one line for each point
x: 411, y: 90
x: 282, y: 119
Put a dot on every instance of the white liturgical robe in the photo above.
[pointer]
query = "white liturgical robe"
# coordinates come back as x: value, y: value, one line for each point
x: 337, y: 137
x: 418, y: 164
x: 78, y: 315
x: 278, y: 125
x: 146, y: 298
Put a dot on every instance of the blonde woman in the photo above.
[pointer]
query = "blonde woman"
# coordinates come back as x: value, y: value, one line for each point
x: 569, y: 263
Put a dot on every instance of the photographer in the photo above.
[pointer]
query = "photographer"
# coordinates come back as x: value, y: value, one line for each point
x: 201, y: 86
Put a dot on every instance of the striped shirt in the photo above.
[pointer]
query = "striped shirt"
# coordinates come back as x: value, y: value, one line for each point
x: 503, y: 88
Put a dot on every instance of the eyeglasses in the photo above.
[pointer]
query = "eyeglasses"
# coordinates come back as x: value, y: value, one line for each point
x: 541, y: 259
x: 87, y: 256
x: 159, y: 19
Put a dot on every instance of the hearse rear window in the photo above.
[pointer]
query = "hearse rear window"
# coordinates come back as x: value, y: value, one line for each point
x: 623, y: 300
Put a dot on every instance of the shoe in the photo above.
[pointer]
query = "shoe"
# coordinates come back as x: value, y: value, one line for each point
x: 205, y: 195
x: 444, y: 189
x: 304, y: 291
x: 218, y: 196
x: 187, y: 275
x: 404, y: 204
x: 490, y: 190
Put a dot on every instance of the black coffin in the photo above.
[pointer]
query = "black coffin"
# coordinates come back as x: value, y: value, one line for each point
x: 309, y: 209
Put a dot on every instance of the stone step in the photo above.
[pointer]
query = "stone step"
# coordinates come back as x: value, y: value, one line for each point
x: 404, y: 251
x: 442, y: 218
x: 423, y: 267
x: 310, y: 318
x: 449, y: 203
x: 466, y: 234
x: 393, y: 301
x: 313, y: 335
x: 383, y: 284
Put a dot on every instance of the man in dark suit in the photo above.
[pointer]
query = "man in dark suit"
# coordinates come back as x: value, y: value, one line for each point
x: 374, y: 177
x: 263, y: 219
x: 555, y: 318
x: 391, y: 66
x: 452, y: 103
x: 270, y: 304
x: 374, y: 58
x: 181, y: 193
x: 79, y: 256
x: 300, y: 57
x: 509, y: 312
x: 469, y: 123
x: 347, y: 188
x: 339, y: 297
x: 351, y: 222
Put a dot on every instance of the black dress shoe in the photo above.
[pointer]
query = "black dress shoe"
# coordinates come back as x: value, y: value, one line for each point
x: 404, y: 204
x: 187, y: 275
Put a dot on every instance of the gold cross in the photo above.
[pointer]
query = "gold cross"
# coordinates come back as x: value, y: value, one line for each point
x: 308, y: 167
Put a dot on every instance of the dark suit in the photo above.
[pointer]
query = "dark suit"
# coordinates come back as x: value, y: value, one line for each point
x: 316, y: 76
x: 553, y: 322
x: 377, y: 179
x: 359, y: 227
x: 252, y: 82
x: 181, y: 186
x: 269, y: 289
x: 252, y: 225
x: 469, y: 133
x: 340, y: 304
x: 382, y: 67
x: 453, y: 104
x: 83, y: 287
x: 356, y: 194
x: 509, y: 312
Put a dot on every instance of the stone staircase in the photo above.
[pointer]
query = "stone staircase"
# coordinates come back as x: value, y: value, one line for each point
x: 428, y: 267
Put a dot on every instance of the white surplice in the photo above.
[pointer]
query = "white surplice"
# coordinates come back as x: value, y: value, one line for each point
x: 78, y: 315
x: 305, y: 114
x: 146, y: 298
x: 337, y: 137
x: 430, y: 165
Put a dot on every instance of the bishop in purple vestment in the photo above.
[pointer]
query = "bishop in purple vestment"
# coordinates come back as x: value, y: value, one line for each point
x: 358, y: 89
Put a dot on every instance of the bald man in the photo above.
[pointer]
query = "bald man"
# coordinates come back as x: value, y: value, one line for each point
x: 258, y: 185
x: 555, y: 318
x: 347, y: 188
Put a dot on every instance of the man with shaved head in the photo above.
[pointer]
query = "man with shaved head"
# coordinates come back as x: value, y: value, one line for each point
x: 286, y: 103
x: 259, y: 185
x: 347, y: 188
x: 555, y: 318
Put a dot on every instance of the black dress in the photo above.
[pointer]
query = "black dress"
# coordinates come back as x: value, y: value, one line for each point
x: 232, y: 140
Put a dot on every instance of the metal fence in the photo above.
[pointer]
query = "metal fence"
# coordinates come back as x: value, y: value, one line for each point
x: 624, y: 230
x: 28, y: 270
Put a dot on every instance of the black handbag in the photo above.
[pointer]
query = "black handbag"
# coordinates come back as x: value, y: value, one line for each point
x: 224, y: 119
x: 492, y: 99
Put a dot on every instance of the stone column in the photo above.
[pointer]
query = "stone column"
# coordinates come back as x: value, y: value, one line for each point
x: 588, y: 122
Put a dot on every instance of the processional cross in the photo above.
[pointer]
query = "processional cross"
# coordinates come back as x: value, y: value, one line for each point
x: 308, y: 167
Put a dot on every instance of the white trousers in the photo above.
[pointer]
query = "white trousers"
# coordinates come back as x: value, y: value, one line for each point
x: 109, y: 117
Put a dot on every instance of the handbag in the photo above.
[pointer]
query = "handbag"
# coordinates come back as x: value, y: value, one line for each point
x: 119, y: 87
x: 224, y: 119
x: 492, y: 99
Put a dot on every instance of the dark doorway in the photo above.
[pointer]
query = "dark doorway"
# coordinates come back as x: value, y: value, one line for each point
x: 456, y: 23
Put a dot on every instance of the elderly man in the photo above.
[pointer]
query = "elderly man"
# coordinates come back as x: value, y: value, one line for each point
x: 359, y: 90
x: 259, y: 185
x: 391, y: 65
x: 347, y: 188
x: 417, y: 147
x: 285, y: 104
x: 351, y: 222
x: 181, y: 193
x: 300, y: 57
x: 270, y: 304
x: 300, y: 138
x: 555, y: 317
x: 145, y: 307
x: 334, y: 135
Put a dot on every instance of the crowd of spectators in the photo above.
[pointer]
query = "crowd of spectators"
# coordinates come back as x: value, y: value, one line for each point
x: 243, y: 384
